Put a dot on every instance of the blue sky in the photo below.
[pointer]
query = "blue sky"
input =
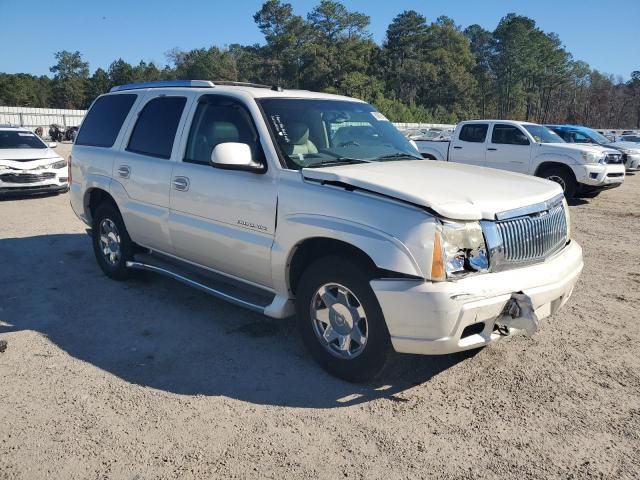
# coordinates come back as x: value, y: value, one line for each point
x: 603, y: 33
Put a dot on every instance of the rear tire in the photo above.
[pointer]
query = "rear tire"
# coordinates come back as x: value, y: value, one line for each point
x: 111, y: 243
x: 564, y: 178
x: 340, y: 319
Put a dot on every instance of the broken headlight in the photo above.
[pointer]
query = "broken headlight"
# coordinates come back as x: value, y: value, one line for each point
x: 459, y: 249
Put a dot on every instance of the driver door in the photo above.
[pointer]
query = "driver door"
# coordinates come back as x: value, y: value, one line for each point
x: 223, y: 219
x: 509, y: 149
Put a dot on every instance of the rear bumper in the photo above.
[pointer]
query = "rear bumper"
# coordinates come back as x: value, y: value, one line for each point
x: 430, y: 318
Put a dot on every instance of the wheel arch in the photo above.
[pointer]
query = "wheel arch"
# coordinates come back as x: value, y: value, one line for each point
x: 309, y: 250
x: 548, y: 164
x: 95, y: 196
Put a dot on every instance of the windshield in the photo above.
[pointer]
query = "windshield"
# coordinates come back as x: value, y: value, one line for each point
x: 595, y: 136
x: 18, y: 139
x: 313, y: 133
x: 543, y: 134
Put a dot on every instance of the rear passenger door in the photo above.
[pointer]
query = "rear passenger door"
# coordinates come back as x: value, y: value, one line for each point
x: 509, y: 149
x: 223, y: 219
x: 469, y: 145
x: 143, y: 169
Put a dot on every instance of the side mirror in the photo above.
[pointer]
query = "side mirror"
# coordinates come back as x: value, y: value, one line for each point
x: 522, y: 140
x: 235, y: 156
x: 53, y: 144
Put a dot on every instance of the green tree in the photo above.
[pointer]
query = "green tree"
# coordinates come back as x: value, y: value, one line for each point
x: 99, y: 83
x: 285, y: 34
x: 403, y: 56
x: 481, y: 46
x: 70, y: 80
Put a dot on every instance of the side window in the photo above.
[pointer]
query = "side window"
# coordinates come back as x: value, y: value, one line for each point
x: 474, y: 132
x: 581, y: 138
x: 103, y: 122
x: 508, y: 135
x: 156, y: 127
x: 220, y: 120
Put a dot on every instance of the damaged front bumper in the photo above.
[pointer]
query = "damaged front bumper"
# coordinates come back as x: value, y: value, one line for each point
x: 446, y: 317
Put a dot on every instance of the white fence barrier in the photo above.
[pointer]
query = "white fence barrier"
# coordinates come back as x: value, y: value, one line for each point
x: 40, y: 117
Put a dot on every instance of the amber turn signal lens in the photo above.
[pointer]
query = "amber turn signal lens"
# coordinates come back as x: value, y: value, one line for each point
x: 437, y: 263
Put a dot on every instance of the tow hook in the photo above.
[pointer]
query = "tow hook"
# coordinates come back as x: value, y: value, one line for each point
x: 518, y: 314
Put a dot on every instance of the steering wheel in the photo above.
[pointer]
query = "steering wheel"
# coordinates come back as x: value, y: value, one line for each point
x: 348, y: 143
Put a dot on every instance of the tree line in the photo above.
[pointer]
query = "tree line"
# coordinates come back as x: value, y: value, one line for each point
x: 423, y: 71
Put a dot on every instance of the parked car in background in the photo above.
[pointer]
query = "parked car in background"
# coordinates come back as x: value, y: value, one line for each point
x: 630, y: 137
x: 28, y: 165
x: 433, y: 133
x: 576, y: 134
x: 531, y: 149
x: 286, y: 201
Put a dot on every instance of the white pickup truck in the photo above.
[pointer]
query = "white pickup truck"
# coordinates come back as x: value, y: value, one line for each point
x: 294, y: 202
x: 531, y: 149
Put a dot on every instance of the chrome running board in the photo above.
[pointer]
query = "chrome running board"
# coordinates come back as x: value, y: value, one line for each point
x: 216, y: 292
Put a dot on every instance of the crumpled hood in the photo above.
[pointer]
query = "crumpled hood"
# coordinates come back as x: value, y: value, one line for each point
x: 453, y: 190
x: 27, y: 158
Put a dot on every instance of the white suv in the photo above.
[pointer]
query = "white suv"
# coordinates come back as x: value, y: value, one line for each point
x: 28, y: 165
x: 286, y: 201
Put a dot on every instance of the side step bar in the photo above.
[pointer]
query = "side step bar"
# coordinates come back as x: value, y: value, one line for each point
x: 200, y: 286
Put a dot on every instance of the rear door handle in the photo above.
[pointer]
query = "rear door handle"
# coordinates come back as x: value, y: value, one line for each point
x: 181, y: 183
x: 458, y: 148
x: 124, y: 171
x: 492, y: 149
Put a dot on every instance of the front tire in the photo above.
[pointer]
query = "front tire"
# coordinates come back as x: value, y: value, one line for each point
x: 564, y: 178
x: 111, y: 243
x: 340, y: 320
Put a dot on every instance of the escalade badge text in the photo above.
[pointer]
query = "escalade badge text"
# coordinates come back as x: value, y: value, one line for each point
x: 252, y: 225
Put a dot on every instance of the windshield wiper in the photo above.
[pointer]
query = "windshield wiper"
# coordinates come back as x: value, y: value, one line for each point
x: 339, y: 161
x: 397, y: 156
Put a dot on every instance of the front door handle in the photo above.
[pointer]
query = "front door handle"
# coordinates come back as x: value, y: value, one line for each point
x: 492, y: 149
x: 457, y: 148
x: 181, y: 183
x: 124, y: 171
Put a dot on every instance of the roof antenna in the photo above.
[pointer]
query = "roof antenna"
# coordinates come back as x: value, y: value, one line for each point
x: 276, y: 88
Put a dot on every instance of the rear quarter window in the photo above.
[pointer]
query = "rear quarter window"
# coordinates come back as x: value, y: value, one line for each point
x: 475, y: 132
x: 104, y: 120
x: 156, y: 127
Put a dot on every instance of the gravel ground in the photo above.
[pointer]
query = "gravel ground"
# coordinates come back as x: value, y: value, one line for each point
x: 150, y: 379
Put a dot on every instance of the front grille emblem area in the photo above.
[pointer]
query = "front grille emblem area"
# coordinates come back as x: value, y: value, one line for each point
x: 526, y: 239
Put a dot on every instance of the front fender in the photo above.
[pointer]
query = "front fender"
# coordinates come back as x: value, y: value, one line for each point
x: 427, y: 148
x: 554, y: 158
x: 387, y: 252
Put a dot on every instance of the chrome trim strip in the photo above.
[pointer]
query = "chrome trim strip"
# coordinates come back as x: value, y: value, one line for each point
x: 529, y: 209
x: 200, y: 286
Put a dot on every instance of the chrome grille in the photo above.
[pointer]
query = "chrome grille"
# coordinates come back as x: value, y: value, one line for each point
x: 533, y: 237
x: 26, y: 177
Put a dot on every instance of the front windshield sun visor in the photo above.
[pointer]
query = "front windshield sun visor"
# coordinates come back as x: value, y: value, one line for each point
x: 319, y: 132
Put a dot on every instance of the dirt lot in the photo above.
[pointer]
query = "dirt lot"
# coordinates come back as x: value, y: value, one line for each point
x: 150, y: 379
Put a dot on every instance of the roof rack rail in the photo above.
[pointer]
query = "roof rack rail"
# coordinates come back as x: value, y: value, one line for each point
x: 164, y: 83
x: 276, y: 88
